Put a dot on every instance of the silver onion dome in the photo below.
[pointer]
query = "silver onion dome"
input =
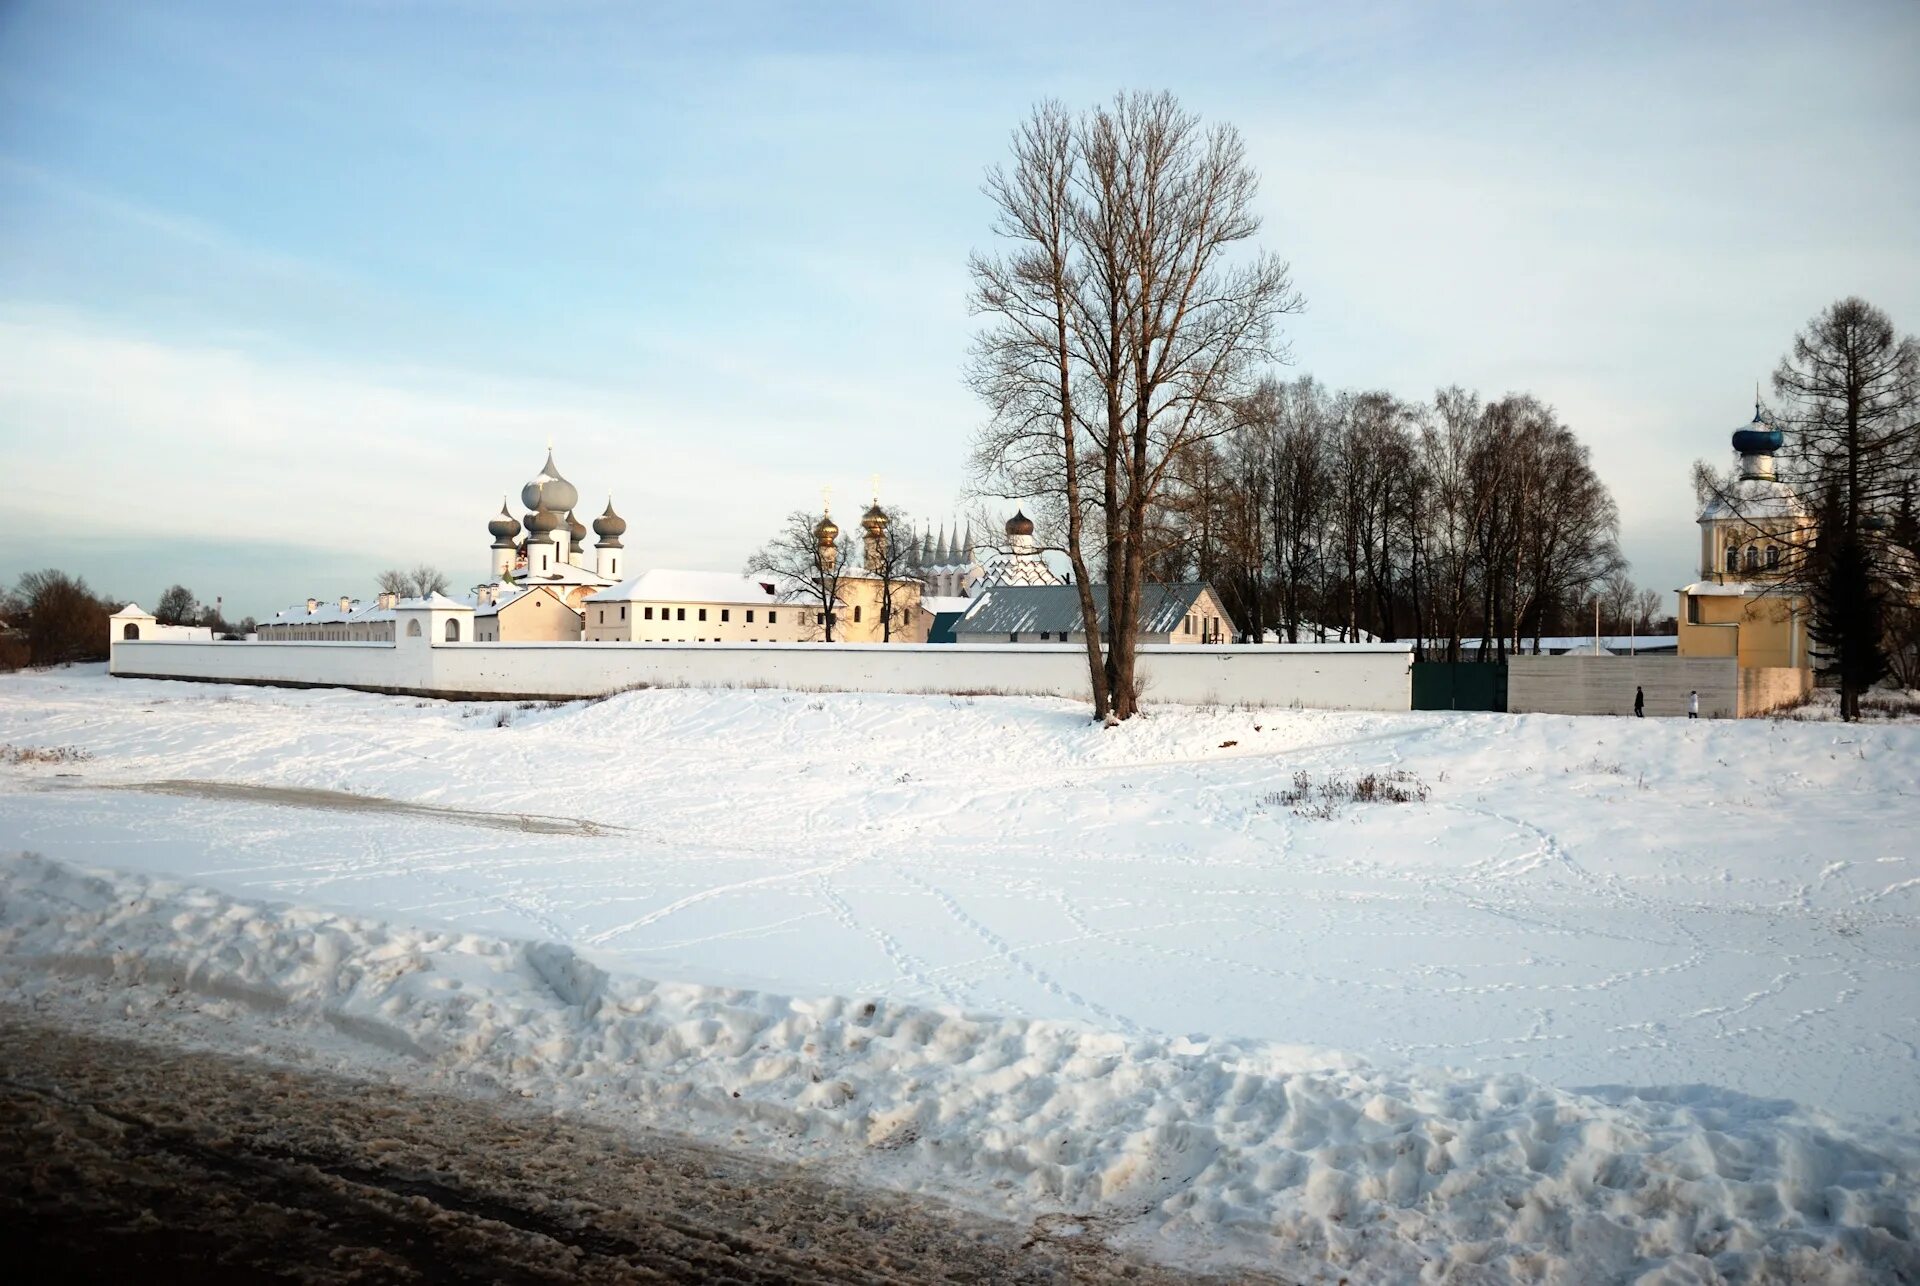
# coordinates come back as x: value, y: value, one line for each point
x: 504, y: 527
x: 609, y: 526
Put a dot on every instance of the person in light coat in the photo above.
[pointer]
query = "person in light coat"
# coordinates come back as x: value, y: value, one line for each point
x: 1693, y: 705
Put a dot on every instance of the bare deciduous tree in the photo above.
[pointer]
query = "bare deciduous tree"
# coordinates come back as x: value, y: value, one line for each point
x: 806, y: 570
x: 426, y: 580
x: 1123, y: 331
x: 177, y: 606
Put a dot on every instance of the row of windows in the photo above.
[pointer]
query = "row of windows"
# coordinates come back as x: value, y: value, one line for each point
x: 1752, y: 558
x: 680, y: 614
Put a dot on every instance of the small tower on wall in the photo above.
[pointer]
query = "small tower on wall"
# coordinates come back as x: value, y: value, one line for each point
x: 607, y: 550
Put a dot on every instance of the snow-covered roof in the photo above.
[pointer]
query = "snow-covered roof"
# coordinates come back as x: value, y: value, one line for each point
x: 565, y: 574
x: 437, y: 602
x: 1755, y: 500
x: 666, y: 585
x: 1733, y: 588
x: 131, y: 609
x: 1021, y: 609
x: 514, y: 594
x: 329, y: 613
x: 938, y: 603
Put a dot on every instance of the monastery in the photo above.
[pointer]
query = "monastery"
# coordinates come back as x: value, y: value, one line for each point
x: 547, y: 584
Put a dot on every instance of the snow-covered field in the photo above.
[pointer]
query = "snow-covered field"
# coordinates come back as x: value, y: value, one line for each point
x: 1672, y: 964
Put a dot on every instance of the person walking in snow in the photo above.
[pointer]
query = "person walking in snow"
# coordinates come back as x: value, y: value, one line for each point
x: 1693, y: 705
x: 1639, y: 703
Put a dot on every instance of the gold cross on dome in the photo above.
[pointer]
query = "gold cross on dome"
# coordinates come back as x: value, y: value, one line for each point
x: 826, y: 500
x: 876, y: 488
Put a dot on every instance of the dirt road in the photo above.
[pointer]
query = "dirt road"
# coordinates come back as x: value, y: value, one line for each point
x: 124, y: 1161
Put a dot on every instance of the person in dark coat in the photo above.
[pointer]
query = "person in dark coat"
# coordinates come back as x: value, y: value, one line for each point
x: 1639, y: 703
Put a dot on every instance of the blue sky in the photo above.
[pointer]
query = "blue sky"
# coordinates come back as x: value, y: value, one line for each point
x: 290, y: 292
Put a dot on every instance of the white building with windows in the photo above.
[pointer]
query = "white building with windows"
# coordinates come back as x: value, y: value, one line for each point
x: 665, y: 606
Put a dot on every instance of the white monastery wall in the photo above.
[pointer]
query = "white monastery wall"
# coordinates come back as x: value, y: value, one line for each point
x: 1344, y: 677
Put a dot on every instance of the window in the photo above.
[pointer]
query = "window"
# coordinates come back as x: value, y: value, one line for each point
x: 1693, y: 609
x: 453, y: 630
x: 682, y: 614
x: 1186, y: 625
x: 703, y: 613
x: 1013, y: 638
x: 856, y: 613
x: 749, y: 616
x: 130, y: 631
x: 1773, y: 556
x: 413, y: 629
x: 649, y: 615
x: 819, y: 618
x: 1733, y: 559
x: 1046, y: 636
x: 1753, y: 558
x: 603, y: 616
x: 725, y: 616
x: 772, y: 618
x: 623, y: 613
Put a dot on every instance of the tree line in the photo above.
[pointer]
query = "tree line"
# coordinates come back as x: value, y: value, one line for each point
x: 1335, y: 515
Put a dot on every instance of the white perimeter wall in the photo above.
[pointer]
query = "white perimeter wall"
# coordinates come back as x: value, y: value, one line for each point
x: 1332, y: 676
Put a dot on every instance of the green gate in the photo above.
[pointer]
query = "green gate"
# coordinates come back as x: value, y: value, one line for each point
x: 1459, y: 685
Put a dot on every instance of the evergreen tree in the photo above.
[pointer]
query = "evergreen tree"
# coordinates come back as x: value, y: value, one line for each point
x: 1846, y: 589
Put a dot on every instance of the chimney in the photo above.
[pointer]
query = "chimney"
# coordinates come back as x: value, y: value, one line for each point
x: 387, y: 599
x: 346, y: 604
x: 313, y: 605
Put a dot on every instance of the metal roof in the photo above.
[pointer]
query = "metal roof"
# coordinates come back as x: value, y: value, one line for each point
x: 1022, y: 609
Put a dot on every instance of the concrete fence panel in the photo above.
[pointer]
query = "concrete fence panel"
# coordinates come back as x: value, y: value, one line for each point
x: 1605, y: 684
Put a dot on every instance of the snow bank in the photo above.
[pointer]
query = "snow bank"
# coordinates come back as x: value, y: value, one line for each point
x: 1309, y: 1162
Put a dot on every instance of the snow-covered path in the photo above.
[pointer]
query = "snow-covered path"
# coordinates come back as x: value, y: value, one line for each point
x: 1591, y: 902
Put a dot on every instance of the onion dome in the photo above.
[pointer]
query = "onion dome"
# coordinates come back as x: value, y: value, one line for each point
x: 548, y: 490
x: 576, y: 530
x: 826, y: 531
x: 504, y: 528
x: 1757, y: 442
x: 609, y: 527
x: 541, y: 523
x: 1019, y: 524
x: 875, y: 518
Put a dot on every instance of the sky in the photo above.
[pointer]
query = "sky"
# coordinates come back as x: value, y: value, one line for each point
x: 293, y: 292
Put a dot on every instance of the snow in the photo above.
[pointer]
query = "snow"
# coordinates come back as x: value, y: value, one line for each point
x: 1671, y: 962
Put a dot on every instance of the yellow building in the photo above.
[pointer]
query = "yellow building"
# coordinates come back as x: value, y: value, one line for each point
x: 1752, y: 538
x: 866, y: 594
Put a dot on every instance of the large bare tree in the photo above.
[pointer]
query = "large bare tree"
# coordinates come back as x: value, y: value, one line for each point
x: 1125, y: 324
x: 1025, y: 365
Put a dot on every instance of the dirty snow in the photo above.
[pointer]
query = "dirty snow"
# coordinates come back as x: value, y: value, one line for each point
x: 1673, y: 964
